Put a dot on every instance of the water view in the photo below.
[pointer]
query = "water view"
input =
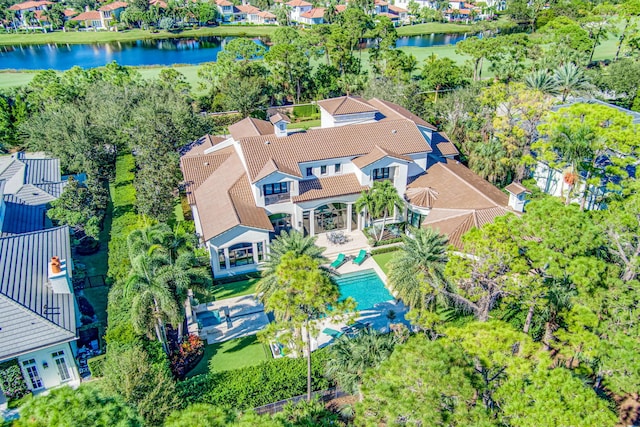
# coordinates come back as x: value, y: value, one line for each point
x: 149, y: 52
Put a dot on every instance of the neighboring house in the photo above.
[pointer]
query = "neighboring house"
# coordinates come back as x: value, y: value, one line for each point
x: 266, y: 17
x: 400, y: 14
x: 552, y: 181
x: 226, y: 10
x: 38, y: 311
x: 30, y: 183
x: 21, y: 11
x: 245, y: 189
x: 312, y: 17
x: 298, y: 7
x: 102, y: 18
x: 380, y: 7
x: 248, y: 13
x: 421, y: 3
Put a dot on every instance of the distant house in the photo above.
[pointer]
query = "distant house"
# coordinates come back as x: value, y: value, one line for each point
x: 248, y: 13
x: 298, y: 7
x: 38, y: 311
x: 226, y: 10
x: 312, y: 17
x: 102, y: 18
x: 266, y: 17
x: 21, y: 11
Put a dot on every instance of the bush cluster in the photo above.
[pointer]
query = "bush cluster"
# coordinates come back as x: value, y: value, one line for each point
x: 12, y: 381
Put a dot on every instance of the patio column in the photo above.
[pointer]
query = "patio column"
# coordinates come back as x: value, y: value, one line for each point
x: 312, y: 222
x: 254, y: 249
x: 226, y: 259
x: 349, y: 214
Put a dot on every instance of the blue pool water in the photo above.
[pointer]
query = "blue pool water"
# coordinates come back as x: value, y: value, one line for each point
x: 365, y: 287
x: 209, y: 318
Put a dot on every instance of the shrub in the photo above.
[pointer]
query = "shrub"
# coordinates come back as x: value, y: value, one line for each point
x: 186, y: 355
x: 12, y: 381
x: 385, y: 250
x: 96, y: 365
x: 305, y: 111
x: 85, y: 306
x: 254, y: 386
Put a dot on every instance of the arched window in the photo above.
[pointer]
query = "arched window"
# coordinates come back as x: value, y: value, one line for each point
x: 241, y: 254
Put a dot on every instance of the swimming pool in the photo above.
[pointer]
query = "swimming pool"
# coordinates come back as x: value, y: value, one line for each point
x: 365, y: 287
x: 209, y: 318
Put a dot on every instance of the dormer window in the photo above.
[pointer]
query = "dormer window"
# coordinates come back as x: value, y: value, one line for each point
x: 323, y: 170
x: 380, y: 173
x: 309, y: 171
x: 337, y: 167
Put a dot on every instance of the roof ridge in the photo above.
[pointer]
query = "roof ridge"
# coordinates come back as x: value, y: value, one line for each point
x: 446, y: 166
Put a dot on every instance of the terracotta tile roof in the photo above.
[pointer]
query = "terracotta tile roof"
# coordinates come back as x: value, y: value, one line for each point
x: 248, y: 9
x: 250, y: 127
x: 29, y: 4
x: 341, y: 8
x: 277, y: 117
x: 69, y: 13
x: 91, y: 15
x: 397, y: 9
x: 113, y: 6
x: 196, y: 169
x: 393, y: 111
x: 399, y: 136
x: 424, y: 197
x: 376, y: 154
x: 346, y: 105
x: 322, y: 188
x: 455, y: 224
x: 158, y: 3
x: 381, y: 3
x: 442, y: 146
x: 388, y: 15
x: 298, y: 3
x: 316, y: 12
x: 459, y: 188
x: 199, y: 146
x: 267, y: 15
x: 516, y: 188
x: 39, y: 14
x: 225, y: 201
x: 271, y: 166
x: 224, y: 3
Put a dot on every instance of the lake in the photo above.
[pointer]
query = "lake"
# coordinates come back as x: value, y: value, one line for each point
x: 149, y: 52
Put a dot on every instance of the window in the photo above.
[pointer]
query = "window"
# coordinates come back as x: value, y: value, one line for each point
x: 277, y: 188
x: 337, y: 167
x: 221, y: 261
x: 260, y: 251
x: 309, y: 171
x: 382, y: 173
x: 414, y: 218
x: 241, y: 254
x: 323, y: 170
x: 61, y: 364
x: 32, y: 372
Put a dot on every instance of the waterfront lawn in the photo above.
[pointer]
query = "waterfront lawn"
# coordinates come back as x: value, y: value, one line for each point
x: 232, y: 354
x: 383, y: 260
x: 82, y: 37
x: 434, y: 27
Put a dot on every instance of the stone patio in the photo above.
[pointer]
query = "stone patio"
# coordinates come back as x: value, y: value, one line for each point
x: 356, y: 240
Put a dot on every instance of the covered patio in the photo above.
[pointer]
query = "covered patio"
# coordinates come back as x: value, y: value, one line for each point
x: 351, y: 245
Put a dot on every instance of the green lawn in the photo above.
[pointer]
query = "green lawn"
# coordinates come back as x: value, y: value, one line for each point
x: 383, y: 261
x: 234, y: 289
x: 434, y: 27
x: 77, y: 37
x: 305, y: 124
x: 233, y: 354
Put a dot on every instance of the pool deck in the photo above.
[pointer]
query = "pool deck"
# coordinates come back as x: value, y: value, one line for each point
x: 356, y: 240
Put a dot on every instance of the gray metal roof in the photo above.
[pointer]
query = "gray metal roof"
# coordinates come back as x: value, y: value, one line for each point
x: 42, y: 170
x: 32, y: 316
x: 22, y: 217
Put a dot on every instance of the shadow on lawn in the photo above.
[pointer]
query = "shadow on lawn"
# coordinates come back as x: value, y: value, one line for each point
x: 240, y: 344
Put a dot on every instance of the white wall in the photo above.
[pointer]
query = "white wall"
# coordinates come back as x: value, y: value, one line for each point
x: 49, y: 376
x: 239, y: 234
x: 274, y: 178
x: 345, y: 167
x: 329, y: 121
x: 399, y: 176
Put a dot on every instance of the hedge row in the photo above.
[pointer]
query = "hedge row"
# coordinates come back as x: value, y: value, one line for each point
x: 96, y: 364
x: 305, y: 111
x: 385, y: 249
x: 12, y: 381
x: 254, y: 386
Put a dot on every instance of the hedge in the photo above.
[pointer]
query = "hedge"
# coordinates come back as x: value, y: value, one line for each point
x: 254, y: 386
x: 305, y: 111
x: 387, y: 241
x: 96, y: 364
x: 385, y: 250
x: 11, y: 380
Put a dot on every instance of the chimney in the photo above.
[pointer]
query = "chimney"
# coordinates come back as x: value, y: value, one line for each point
x: 279, y: 122
x: 58, y: 276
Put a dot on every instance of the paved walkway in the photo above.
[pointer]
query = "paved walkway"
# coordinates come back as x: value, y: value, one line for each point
x: 356, y: 240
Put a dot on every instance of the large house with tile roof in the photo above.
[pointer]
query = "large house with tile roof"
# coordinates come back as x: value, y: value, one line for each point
x: 263, y: 178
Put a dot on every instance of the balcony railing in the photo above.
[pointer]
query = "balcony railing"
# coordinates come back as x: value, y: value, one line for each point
x: 272, y: 199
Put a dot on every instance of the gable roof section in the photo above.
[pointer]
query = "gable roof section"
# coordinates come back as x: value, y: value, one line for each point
x: 28, y: 5
x: 200, y: 145
x: 346, y: 105
x: 22, y: 217
x: 196, y: 169
x: 248, y: 9
x: 279, y: 117
x: 400, y: 136
x: 31, y: 315
x: 113, y: 6
x: 376, y: 154
x: 442, y: 146
x: 393, y: 111
x: 315, y: 13
x: 298, y: 3
x: 91, y: 15
x: 516, y: 188
x: 266, y: 14
x: 322, y: 188
x: 249, y: 127
x: 225, y: 200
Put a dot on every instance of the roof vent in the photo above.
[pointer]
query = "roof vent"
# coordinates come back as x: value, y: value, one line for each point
x: 394, y: 131
x: 267, y: 143
x: 206, y: 163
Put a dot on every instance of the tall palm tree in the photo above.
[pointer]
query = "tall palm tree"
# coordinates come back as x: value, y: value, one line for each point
x: 542, y: 81
x: 366, y: 203
x: 569, y: 79
x: 421, y: 260
x: 386, y: 199
x: 575, y: 147
x: 292, y: 241
x: 153, y: 304
x: 489, y: 160
x: 143, y: 239
x: 349, y: 358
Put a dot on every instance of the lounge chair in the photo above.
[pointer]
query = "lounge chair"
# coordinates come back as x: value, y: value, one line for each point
x: 338, y: 262
x: 332, y: 333
x: 361, y: 257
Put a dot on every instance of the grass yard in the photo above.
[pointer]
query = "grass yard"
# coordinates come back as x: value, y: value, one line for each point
x: 81, y: 37
x: 233, y: 354
x: 434, y: 27
x: 234, y: 289
x: 383, y: 261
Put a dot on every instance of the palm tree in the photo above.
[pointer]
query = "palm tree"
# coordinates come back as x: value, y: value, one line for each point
x: 542, y: 81
x: 421, y: 259
x: 386, y: 199
x: 366, y: 203
x: 152, y: 303
x: 144, y: 239
x: 292, y: 241
x: 569, y: 79
x: 489, y: 160
x: 349, y: 358
x: 575, y: 146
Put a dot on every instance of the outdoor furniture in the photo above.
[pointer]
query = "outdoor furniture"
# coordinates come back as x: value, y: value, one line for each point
x: 361, y: 257
x: 338, y: 262
x: 337, y: 238
x: 332, y: 333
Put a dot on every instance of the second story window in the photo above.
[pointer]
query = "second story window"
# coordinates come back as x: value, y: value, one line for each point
x: 277, y: 188
x: 381, y: 173
x: 309, y: 171
x: 337, y: 167
x: 323, y: 170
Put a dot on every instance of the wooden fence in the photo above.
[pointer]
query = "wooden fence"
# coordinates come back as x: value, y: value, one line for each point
x: 322, y: 396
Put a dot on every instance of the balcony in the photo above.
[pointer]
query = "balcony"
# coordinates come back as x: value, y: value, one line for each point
x: 272, y: 199
x: 384, y: 179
